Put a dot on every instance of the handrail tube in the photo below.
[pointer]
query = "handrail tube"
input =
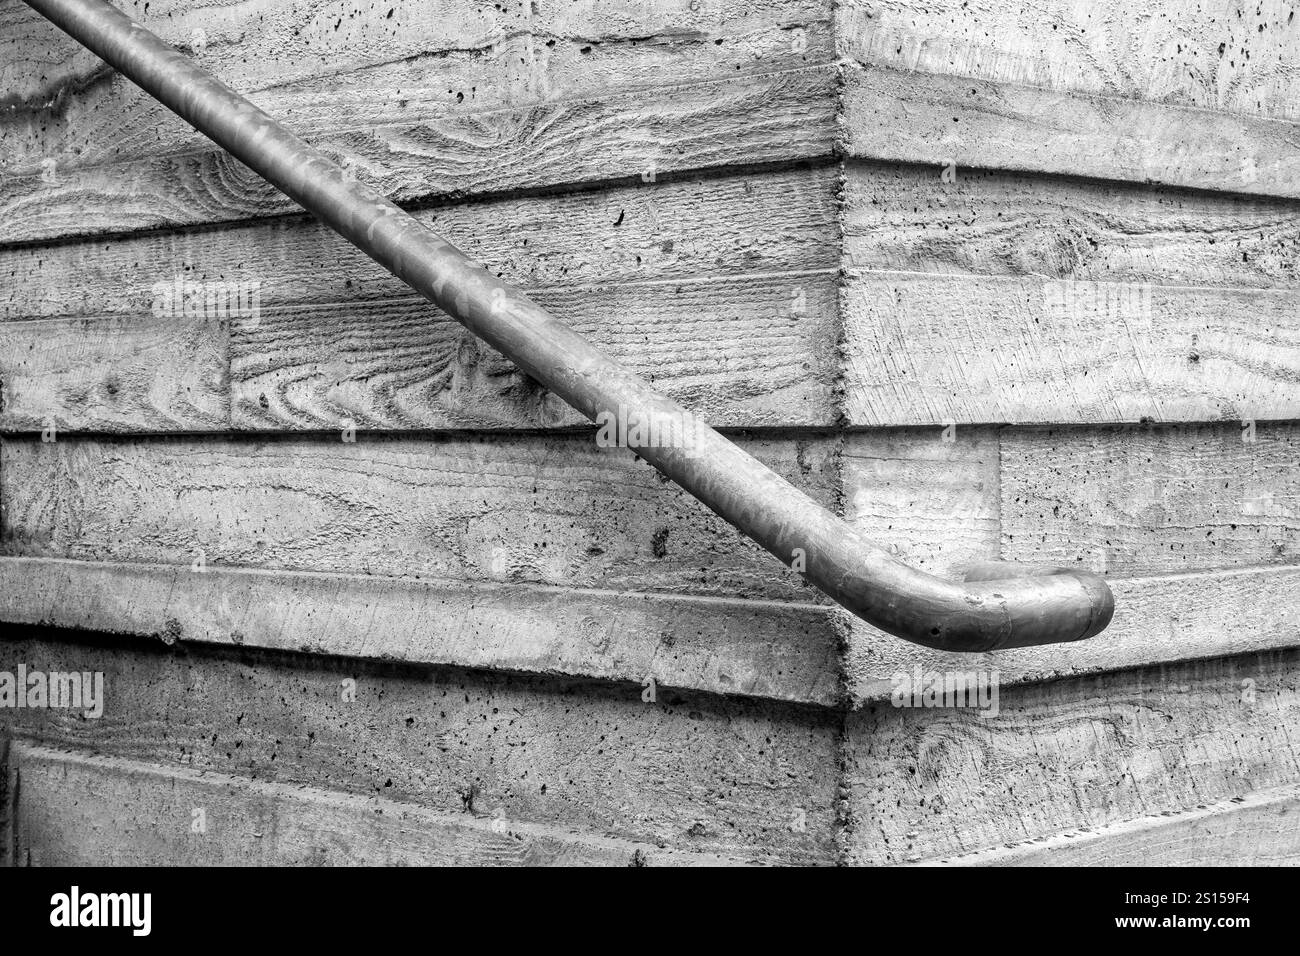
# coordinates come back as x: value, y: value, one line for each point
x: 973, y: 616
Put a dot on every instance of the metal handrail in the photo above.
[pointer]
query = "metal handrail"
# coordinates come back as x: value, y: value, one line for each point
x: 1024, y: 607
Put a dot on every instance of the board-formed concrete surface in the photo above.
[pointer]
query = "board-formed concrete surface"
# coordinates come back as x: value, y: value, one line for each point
x: 1011, y: 282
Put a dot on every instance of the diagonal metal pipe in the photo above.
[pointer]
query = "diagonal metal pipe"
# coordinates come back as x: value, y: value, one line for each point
x: 1027, y: 605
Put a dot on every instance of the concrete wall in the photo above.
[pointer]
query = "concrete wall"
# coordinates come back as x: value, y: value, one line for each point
x: 991, y: 283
